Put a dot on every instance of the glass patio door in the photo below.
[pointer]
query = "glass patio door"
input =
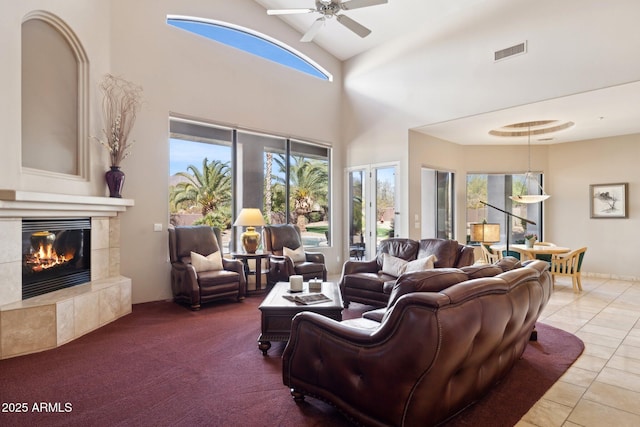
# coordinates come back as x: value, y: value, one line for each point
x: 373, y: 208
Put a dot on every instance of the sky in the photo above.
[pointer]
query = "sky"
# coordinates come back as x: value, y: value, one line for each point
x: 184, y: 153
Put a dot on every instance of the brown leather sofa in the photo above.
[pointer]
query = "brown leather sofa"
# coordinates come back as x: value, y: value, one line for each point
x: 366, y: 283
x: 275, y: 239
x: 445, y: 341
x: 196, y: 288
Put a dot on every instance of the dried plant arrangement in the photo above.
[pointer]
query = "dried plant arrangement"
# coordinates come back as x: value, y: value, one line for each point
x: 120, y: 104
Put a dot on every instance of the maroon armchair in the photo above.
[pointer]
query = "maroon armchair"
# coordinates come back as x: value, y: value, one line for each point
x: 197, y: 287
x: 278, y: 237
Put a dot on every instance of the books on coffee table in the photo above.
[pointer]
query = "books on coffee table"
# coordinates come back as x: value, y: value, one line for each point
x: 308, y: 298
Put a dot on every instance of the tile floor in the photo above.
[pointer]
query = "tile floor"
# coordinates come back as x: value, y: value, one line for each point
x: 602, y: 388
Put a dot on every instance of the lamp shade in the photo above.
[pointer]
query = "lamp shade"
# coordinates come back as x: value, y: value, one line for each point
x: 485, y: 232
x: 529, y: 198
x: 250, y: 218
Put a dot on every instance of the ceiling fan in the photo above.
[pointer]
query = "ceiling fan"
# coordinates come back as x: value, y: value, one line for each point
x: 328, y: 9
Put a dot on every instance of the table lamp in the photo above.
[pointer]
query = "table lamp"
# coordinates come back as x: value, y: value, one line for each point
x: 485, y: 232
x: 250, y: 218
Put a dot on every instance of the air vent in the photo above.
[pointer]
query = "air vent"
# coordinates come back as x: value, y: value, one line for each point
x: 508, y: 52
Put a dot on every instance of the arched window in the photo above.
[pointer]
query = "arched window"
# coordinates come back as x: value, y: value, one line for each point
x: 54, y: 96
x: 249, y: 41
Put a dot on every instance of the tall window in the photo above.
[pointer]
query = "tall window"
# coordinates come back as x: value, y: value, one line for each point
x: 495, y: 190
x: 200, y: 176
x: 216, y: 171
x: 251, y: 42
x: 295, y: 177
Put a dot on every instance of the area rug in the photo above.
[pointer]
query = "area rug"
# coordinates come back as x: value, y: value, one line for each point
x: 164, y: 365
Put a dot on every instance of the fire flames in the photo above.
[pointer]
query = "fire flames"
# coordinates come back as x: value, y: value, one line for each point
x: 46, y: 257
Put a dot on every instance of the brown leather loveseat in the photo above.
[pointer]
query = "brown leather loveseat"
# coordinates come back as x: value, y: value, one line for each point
x: 368, y: 283
x: 433, y: 353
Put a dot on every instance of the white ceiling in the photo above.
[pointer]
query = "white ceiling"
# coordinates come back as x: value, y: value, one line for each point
x: 587, y: 53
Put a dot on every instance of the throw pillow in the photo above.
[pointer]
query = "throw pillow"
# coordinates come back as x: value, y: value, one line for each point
x: 419, y: 264
x: 296, y: 255
x: 392, y: 265
x: 206, y: 263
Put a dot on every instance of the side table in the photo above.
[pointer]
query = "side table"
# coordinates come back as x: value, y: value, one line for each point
x: 258, y: 257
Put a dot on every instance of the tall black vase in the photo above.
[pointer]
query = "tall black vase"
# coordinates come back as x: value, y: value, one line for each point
x: 115, y: 181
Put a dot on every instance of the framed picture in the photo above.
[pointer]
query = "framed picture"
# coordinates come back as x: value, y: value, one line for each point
x: 609, y: 200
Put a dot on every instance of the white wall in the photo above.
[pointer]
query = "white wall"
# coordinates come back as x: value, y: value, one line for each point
x: 91, y: 26
x: 193, y: 76
x: 573, y: 167
x: 180, y: 73
x: 569, y: 169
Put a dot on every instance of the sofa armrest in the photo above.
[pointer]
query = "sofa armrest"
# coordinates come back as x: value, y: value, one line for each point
x: 325, y: 358
x: 376, y: 315
x: 317, y: 257
x: 352, y: 267
x: 237, y: 266
x: 184, y: 281
x: 281, y: 267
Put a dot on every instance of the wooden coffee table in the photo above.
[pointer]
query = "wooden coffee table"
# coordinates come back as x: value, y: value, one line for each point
x: 278, y: 312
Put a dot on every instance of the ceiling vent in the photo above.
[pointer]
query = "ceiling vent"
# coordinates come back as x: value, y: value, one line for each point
x: 508, y: 52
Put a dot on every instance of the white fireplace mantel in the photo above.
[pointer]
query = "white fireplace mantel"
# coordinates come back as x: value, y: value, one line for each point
x: 53, y: 319
x: 16, y: 203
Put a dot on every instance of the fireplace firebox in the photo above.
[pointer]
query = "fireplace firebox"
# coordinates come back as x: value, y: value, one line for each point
x: 56, y: 254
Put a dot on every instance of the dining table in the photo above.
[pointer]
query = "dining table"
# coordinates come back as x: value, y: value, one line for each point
x: 531, y: 252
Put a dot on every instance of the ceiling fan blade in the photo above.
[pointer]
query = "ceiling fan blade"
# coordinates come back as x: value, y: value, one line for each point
x: 311, y: 32
x: 288, y: 11
x: 357, y: 4
x: 359, y: 29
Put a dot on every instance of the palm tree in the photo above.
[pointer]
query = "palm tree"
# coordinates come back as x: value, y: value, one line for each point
x: 308, y: 183
x: 210, y: 189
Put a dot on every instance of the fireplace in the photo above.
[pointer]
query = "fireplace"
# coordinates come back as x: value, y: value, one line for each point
x: 56, y: 254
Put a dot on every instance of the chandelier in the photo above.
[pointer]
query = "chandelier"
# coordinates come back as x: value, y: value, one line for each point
x: 528, y: 177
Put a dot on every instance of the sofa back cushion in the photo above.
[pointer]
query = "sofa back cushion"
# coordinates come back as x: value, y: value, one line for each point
x: 398, y: 247
x: 278, y: 236
x: 433, y: 280
x: 198, y: 238
x: 482, y: 270
x: 445, y: 250
x: 508, y: 263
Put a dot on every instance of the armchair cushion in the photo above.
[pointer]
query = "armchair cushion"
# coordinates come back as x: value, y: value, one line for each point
x: 206, y: 263
x: 392, y: 265
x: 296, y: 255
x: 420, y: 264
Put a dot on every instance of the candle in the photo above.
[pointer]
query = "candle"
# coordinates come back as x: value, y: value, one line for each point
x: 295, y: 283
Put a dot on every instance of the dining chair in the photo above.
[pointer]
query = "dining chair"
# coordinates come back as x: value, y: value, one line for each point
x: 568, y: 265
x: 489, y: 255
x: 514, y: 254
x: 545, y: 257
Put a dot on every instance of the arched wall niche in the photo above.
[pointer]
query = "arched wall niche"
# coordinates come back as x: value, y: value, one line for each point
x: 55, y: 98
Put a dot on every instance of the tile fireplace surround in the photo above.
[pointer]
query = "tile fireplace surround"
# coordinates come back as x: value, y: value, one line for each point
x: 50, y: 320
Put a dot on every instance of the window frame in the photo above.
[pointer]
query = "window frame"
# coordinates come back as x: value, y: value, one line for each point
x: 270, y: 48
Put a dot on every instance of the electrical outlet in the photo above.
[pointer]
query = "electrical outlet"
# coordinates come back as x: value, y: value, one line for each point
x: 157, y: 227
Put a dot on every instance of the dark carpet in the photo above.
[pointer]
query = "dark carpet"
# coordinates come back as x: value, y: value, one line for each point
x: 164, y: 365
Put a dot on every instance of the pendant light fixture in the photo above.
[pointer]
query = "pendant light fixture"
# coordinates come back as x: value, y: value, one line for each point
x: 528, y: 177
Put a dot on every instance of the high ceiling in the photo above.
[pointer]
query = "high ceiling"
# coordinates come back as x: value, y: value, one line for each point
x: 581, y: 63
